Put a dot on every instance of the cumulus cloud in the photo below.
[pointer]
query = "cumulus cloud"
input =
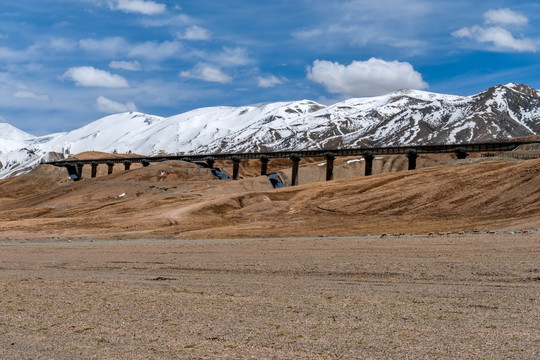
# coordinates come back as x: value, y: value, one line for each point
x: 139, y: 6
x: 125, y: 65
x: 207, y: 72
x: 498, y: 35
x: 365, y: 78
x: 109, y: 106
x: 25, y: 94
x: 269, y: 81
x: 89, y: 76
x: 505, y: 17
x: 195, y: 33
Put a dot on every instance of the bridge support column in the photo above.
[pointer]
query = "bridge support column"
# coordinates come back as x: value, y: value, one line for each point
x: 210, y: 162
x: 461, y: 154
x: 94, y: 169
x: 145, y: 163
x: 110, y: 166
x: 368, y: 157
x: 127, y: 165
x: 412, y: 156
x: 79, y: 169
x: 294, y: 176
x: 236, y: 167
x: 264, y: 165
x: 72, y: 171
x: 329, y: 166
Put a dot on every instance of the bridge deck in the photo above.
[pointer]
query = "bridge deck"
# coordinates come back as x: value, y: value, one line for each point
x: 393, y: 150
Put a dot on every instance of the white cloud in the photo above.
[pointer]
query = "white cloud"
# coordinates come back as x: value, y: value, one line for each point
x: 108, y: 46
x: 232, y: 57
x: 498, y: 35
x: 505, y: 17
x: 112, y: 107
x: 365, y: 78
x: 125, y: 65
x: 115, y: 46
x: 269, y: 81
x: 207, y: 72
x: 9, y: 54
x: 88, y: 76
x: 307, y: 34
x: 62, y: 44
x: 195, y: 33
x: 501, y: 38
x: 156, y: 51
x: 25, y: 94
x: 401, y: 24
x: 140, y: 6
x: 170, y: 20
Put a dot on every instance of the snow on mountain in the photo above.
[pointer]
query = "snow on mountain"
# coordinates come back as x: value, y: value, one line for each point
x: 11, y: 137
x: 404, y: 117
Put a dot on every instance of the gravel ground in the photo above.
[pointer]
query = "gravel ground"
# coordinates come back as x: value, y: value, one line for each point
x: 443, y: 297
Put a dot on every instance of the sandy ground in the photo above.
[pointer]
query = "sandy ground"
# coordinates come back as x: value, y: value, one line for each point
x: 444, y: 297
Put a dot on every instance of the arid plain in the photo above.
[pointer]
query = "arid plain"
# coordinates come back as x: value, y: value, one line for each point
x: 168, y: 262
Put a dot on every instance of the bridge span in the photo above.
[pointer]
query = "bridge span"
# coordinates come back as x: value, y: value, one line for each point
x: 74, y: 167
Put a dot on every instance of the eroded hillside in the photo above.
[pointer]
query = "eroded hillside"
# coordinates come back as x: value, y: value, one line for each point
x: 179, y: 199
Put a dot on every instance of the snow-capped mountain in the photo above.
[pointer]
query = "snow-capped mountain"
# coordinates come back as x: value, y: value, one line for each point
x: 404, y: 117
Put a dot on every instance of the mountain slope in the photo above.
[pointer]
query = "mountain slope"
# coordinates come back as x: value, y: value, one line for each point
x: 404, y: 117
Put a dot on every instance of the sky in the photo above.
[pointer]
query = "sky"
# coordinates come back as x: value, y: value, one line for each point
x: 66, y: 63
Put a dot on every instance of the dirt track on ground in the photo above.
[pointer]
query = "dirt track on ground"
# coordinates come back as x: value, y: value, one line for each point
x: 450, y: 297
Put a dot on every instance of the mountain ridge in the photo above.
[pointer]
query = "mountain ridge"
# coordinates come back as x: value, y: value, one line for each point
x: 403, y: 117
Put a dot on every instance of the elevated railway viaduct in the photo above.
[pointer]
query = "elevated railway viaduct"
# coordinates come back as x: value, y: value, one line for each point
x: 74, y: 167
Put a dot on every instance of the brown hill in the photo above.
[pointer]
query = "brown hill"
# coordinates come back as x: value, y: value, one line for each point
x: 175, y: 199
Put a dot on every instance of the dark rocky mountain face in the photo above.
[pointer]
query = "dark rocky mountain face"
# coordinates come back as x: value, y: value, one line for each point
x: 401, y: 118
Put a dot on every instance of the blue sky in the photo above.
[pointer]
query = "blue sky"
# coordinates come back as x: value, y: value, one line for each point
x: 65, y: 63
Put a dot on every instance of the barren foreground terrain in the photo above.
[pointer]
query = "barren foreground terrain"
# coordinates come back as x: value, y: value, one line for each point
x: 445, y: 297
x: 108, y: 268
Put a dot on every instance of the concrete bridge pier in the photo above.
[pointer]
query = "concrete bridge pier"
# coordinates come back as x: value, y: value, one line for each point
x: 110, y: 166
x: 295, y: 162
x: 329, y: 165
x: 79, y: 169
x: 127, y: 165
x: 145, y: 163
x: 264, y: 165
x: 461, y: 154
x: 72, y: 171
x: 94, y: 166
x: 368, y: 158
x: 236, y: 167
x: 210, y: 162
x: 412, y: 156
